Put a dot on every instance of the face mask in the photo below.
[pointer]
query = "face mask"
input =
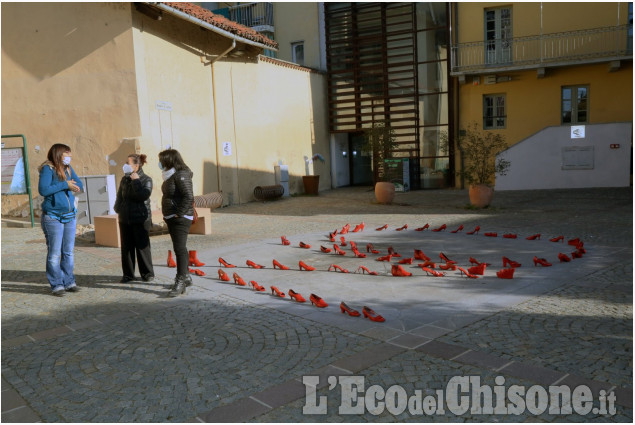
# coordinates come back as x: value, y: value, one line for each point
x: 160, y: 165
x: 127, y: 169
x: 66, y: 160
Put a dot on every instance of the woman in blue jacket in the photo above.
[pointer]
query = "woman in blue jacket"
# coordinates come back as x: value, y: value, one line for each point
x: 57, y: 183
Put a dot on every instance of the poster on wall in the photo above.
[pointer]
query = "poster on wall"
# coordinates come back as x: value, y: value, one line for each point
x: 13, y: 177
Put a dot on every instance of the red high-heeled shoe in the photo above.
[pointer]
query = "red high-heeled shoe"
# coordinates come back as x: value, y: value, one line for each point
x: 254, y: 265
x: 296, y: 296
x: 225, y: 263
x: 392, y: 252
x: 421, y: 229
x: 429, y: 263
x: 506, y: 273
x: 171, y: 262
x: 365, y: 270
x: 474, y: 261
x: 336, y: 267
x: 369, y: 247
x: 325, y: 249
x: 466, y: 273
x: 419, y: 255
x: 512, y: 264
x: 447, y: 266
x: 239, y: 280
x: 576, y: 254
x: 197, y: 272
x: 541, y: 261
x: 458, y: 229
x: 406, y: 261
x: 370, y: 314
x: 317, y: 301
x: 332, y: 237
x: 304, y: 245
x: 563, y: 258
x: 432, y: 272
x: 491, y: 234
x: 510, y: 235
x: 384, y: 227
x: 359, y: 254
x: 480, y: 269
x: 193, y: 259
x: 305, y: 266
x: 223, y: 276
x: 343, y: 241
x: 338, y: 250
x: 476, y: 230
x: 277, y: 264
x: 533, y: 237
x: 285, y: 241
x: 346, y: 309
x: 256, y: 286
x: 353, y: 245
x: 404, y: 227
x: 345, y: 229
x: 384, y: 258
x: 557, y: 239
x: 573, y: 242
x: 581, y: 249
x: 359, y: 227
x: 438, y: 229
x: 399, y: 271
x: 276, y: 292
x: 445, y: 258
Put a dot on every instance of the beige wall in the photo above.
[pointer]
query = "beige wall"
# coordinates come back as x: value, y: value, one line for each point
x: 68, y: 76
x: 556, y: 17
x: 298, y: 21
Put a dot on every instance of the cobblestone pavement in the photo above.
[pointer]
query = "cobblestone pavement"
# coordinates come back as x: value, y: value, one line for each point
x: 124, y: 352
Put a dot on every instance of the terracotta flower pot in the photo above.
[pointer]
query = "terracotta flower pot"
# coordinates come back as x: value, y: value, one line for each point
x: 311, y: 184
x: 481, y: 195
x: 384, y: 192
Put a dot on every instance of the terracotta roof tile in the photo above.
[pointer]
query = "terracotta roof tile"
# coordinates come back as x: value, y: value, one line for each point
x: 221, y: 22
x: 286, y: 64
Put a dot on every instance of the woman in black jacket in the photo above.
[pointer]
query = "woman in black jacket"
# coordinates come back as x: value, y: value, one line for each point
x: 135, y: 219
x: 178, y: 212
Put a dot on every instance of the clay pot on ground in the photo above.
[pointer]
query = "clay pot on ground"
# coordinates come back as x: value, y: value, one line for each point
x: 384, y: 192
x: 481, y: 195
x: 311, y: 184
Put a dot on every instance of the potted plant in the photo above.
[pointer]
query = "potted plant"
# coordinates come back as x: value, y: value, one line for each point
x: 311, y: 181
x: 479, y: 165
x: 380, y: 140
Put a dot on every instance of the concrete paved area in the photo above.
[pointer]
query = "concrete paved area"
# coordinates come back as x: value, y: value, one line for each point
x: 124, y: 352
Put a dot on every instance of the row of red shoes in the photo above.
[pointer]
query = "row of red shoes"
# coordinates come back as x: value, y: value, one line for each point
x: 296, y: 296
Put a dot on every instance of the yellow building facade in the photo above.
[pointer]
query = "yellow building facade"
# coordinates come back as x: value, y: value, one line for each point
x: 521, y: 68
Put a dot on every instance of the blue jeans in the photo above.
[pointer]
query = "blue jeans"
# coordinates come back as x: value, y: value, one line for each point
x: 60, y: 242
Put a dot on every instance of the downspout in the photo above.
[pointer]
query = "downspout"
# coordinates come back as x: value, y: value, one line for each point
x: 232, y: 47
x: 457, y: 129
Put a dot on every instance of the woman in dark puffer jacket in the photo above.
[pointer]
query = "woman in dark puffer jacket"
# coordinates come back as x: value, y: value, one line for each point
x: 135, y: 219
x: 178, y: 212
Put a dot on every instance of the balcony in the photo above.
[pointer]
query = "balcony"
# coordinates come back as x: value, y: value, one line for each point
x: 557, y: 49
x: 258, y: 16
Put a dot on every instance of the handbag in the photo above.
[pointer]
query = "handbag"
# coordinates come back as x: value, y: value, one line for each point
x: 195, y: 216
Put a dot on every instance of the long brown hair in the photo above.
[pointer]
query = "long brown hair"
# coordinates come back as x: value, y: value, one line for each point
x: 171, y: 158
x: 55, y: 156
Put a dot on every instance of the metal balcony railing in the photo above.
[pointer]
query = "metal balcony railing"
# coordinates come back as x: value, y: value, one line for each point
x: 557, y: 48
x: 258, y: 16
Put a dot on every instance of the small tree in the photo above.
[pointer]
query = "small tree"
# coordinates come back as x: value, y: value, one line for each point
x: 379, y: 140
x: 479, y: 155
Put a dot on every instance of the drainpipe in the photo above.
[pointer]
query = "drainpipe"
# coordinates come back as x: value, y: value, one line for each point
x: 232, y: 47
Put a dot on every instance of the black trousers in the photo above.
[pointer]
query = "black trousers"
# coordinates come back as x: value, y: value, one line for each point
x: 179, y: 228
x: 135, y: 242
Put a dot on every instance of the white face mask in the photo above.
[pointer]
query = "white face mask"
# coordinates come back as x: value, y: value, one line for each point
x: 66, y: 160
x: 127, y: 169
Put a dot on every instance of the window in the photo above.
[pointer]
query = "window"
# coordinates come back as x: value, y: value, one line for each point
x: 575, y: 104
x: 494, y: 111
x: 297, y: 52
x: 498, y: 35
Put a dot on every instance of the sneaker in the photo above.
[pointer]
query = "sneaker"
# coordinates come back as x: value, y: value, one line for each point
x: 72, y: 288
x: 126, y: 279
x: 59, y: 291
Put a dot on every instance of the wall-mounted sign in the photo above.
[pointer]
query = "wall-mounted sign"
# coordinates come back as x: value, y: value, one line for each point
x: 13, y: 175
x: 163, y: 105
x: 577, y: 132
x: 227, y: 148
